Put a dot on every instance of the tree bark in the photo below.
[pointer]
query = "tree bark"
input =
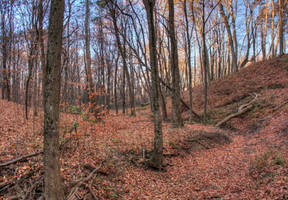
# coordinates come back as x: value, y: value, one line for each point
x: 189, y: 60
x: 272, y: 29
x: 230, y: 40
x: 125, y: 67
x: 41, y: 40
x: 177, y: 119
x: 281, y: 27
x: 87, y: 50
x: 115, y: 85
x: 157, y: 156
x: 6, y: 85
x: 247, y: 26
x: 53, y: 189
x: 205, y: 62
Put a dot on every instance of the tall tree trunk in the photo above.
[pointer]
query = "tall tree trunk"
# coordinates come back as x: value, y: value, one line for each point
x: 6, y: 82
x: 157, y: 156
x: 35, y: 88
x: 247, y: 26
x: 131, y: 82
x: 41, y: 40
x: 53, y: 189
x: 30, y: 68
x: 265, y: 31
x: 123, y: 91
x: 230, y: 38
x: 176, y: 113
x: 115, y: 85
x: 272, y: 29
x: 66, y: 62
x: 205, y: 62
x: 189, y: 60
x: 32, y: 55
x: 125, y: 67
x: 108, y: 87
x: 281, y: 27
x: 16, y: 80
x: 161, y: 70
x: 87, y: 50
x: 233, y: 21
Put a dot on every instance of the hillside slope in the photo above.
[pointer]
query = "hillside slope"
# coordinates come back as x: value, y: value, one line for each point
x: 250, y: 163
x: 267, y: 79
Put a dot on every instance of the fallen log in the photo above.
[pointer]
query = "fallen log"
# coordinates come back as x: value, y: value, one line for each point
x: 20, y: 159
x: 280, y: 106
x: 241, y: 110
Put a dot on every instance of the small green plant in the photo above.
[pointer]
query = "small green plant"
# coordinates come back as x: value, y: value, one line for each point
x: 278, y: 159
x: 111, y: 194
x: 84, y: 117
x: 74, y: 110
x: 75, y: 124
x: 93, y: 120
x: 262, y: 161
x: 210, y: 122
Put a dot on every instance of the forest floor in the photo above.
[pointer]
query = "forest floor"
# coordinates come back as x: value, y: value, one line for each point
x: 247, y: 160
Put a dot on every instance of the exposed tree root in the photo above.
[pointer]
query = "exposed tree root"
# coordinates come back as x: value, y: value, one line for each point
x: 242, y: 109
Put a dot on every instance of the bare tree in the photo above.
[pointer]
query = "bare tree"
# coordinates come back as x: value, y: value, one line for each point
x: 230, y: 37
x: 157, y: 156
x: 281, y: 26
x: 6, y: 81
x: 87, y: 49
x: 53, y: 182
x: 122, y: 51
x: 176, y: 113
x: 188, y: 38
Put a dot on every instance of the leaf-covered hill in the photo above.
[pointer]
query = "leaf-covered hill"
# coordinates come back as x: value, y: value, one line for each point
x: 246, y: 158
x: 268, y: 79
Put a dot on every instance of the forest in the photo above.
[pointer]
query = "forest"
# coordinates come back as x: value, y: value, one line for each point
x: 143, y: 99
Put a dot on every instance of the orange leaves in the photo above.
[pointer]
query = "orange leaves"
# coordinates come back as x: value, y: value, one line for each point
x: 221, y: 172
